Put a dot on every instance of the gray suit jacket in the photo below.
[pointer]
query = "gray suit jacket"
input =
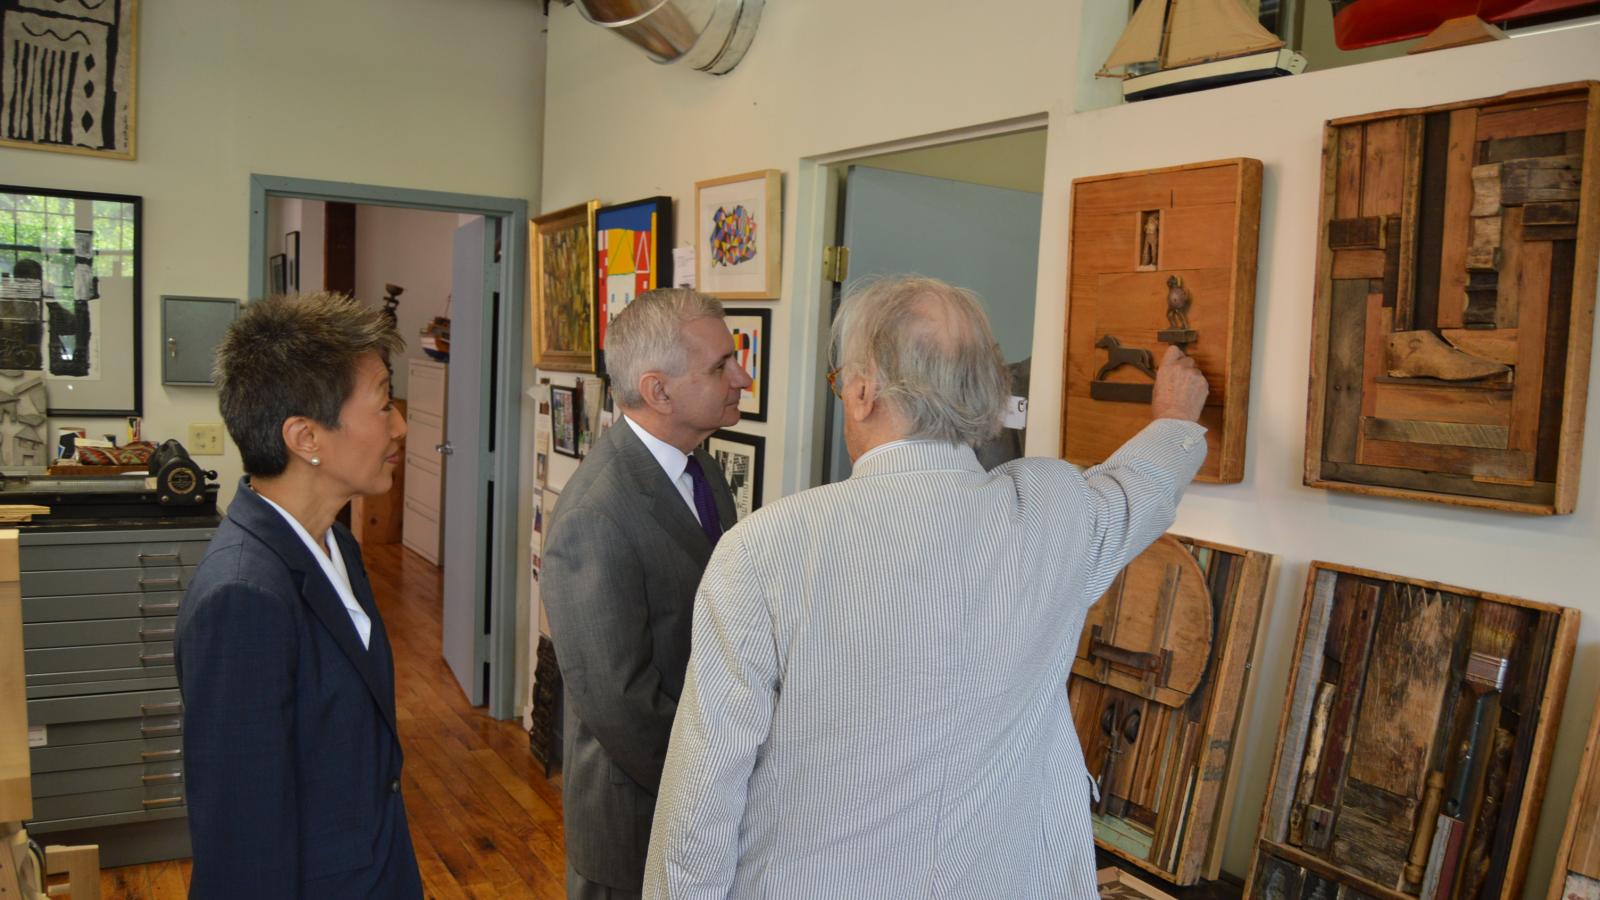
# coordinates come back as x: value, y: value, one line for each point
x: 621, y: 565
x: 876, y: 705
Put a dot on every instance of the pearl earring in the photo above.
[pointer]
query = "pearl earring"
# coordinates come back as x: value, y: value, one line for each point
x: 315, y: 461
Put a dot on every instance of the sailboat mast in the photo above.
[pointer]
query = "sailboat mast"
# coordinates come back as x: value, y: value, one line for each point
x: 1167, y: 16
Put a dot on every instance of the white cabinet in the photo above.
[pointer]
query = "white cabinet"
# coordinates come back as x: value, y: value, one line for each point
x: 423, y: 531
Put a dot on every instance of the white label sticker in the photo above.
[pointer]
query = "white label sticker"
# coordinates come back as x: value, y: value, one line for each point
x: 1016, y: 412
x: 38, y: 736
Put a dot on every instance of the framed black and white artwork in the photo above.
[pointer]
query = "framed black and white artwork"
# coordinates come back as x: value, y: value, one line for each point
x: 740, y: 456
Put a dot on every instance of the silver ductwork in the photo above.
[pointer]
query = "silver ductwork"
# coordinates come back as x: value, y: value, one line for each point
x: 710, y: 35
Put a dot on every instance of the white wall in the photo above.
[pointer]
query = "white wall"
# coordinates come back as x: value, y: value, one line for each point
x: 831, y: 76
x: 411, y: 248
x: 405, y: 93
x: 1280, y: 123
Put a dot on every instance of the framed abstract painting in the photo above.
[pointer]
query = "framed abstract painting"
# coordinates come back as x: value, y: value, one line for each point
x: 741, y: 457
x: 564, y: 420
x: 751, y: 329
x: 68, y: 76
x: 739, y: 235
x: 629, y: 239
x: 561, y: 268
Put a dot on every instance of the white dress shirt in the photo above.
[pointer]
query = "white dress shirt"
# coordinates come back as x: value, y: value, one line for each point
x: 673, y: 461
x: 332, y: 566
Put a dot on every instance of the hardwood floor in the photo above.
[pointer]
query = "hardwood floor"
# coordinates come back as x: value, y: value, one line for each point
x: 484, y: 820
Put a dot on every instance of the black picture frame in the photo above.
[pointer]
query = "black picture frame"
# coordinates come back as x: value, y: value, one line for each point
x: 564, y: 415
x: 655, y: 212
x: 742, y: 458
x: 278, y: 274
x: 118, y: 388
x: 291, y: 268
x: 753, y: 401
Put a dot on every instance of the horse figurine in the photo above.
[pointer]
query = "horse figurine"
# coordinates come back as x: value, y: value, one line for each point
x: 1119, y: 356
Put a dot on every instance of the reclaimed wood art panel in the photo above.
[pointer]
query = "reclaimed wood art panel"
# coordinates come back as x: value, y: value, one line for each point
x: 1455, y: 301
x: 1156, y: 692
x: 1161, y: 257
x: 1415, y: 741
x: 1577, y: 875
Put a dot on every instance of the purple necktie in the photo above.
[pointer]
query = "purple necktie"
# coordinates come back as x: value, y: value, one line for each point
x: 704, y: 504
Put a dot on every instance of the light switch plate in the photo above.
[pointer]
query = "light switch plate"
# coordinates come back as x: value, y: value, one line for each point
x: 205, y: 439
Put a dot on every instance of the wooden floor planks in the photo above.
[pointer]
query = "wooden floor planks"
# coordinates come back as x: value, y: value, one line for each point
x: 484, y: 820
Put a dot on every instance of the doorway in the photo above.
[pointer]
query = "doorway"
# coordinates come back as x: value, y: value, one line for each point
x: 976, y: 206
x: 478, y: 455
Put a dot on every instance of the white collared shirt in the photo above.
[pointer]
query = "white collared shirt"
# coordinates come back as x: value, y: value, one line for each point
x: 332, y: 563
x: 673, y: 461
x: 890, y: 445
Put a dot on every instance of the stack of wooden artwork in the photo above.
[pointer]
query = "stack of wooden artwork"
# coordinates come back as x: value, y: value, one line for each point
x: 1455, y: 301
x: 1415, y: 742
x: 1156, y: 691
x: 1578, y: 862
x: 1162, y: 257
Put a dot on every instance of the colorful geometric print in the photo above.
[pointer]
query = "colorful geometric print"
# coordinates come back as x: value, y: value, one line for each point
x: 733, y: 236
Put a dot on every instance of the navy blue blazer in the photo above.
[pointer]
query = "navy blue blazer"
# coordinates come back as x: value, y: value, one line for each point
x: 291, y: 753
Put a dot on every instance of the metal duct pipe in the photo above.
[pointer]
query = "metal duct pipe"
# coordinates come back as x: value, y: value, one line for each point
x: 710, y: 35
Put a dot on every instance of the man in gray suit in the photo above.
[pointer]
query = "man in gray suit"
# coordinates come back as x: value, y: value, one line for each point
x: 876, y: 705
x: 627, y: 545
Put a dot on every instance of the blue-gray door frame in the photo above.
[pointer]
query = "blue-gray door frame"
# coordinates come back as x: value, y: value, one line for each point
x: 500, y: 551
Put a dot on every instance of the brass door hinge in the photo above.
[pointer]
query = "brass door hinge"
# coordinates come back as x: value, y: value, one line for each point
x: 836, y: 263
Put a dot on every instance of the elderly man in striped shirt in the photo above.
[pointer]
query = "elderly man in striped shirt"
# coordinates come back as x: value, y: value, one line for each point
x: 876, y: 701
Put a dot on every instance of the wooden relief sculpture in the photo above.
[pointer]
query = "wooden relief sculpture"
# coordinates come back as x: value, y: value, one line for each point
x: 1577, y: 874
x: 1156, y: 691
x: 1415, y: 742
x: 1455, y: 301
x: 1163, y: 256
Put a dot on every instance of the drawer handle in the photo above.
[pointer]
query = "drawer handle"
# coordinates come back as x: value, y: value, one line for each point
x: 156, y: 634
x: 174, y: 728
x: 147, y: 583
x: 158, y: 659
x: 161, y: 777
x: 160, y: 755
x: 158, y: 607
x: 163, y: 801
x: 164, y: 558
x: 158, y: 709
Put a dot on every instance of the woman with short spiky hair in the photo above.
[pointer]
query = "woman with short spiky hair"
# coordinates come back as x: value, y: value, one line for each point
x: 292, y: 757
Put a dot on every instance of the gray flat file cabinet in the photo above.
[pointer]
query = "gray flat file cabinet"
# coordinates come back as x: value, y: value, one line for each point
x: 105, y: 720
x: 191, y: 329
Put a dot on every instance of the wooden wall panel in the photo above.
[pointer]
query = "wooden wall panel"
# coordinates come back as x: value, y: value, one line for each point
x: 1455, y: 226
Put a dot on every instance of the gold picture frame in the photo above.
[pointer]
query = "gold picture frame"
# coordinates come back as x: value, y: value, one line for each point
x: 561, y: 288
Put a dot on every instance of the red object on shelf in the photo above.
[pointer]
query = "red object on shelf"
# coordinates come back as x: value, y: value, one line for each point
x: 1367, y: 23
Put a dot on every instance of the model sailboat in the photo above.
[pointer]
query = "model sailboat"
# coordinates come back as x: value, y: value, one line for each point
x: 1176, y: 46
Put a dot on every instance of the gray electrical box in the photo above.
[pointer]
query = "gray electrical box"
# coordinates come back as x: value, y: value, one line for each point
x: 191, y: 329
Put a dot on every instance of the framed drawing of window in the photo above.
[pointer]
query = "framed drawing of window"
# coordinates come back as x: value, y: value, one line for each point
x: 739, y: 235
x: 70, y: 296
x: 561, y: 264
x: 752, y: 330
x: 629, y: 239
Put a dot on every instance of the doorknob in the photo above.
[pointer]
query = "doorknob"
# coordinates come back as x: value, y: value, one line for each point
x: 444, y: 449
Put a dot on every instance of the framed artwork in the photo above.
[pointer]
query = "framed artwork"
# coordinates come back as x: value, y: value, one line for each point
x: 278, y: 273
x: 1161, y: 743
x: 564, y: 420
x: 740, y: 456
x: 1578, y: 860
x: 1454, y: 309
x: 1415, y: 740
x: 591, y: 398
x: 739, y: 235
x: 632, y: 255
x: 1116, y: 884
x: 1158, y: 258
x: 561, y: 267
x: 68, y: 76
x: 751, y: 347
x: 291, y: 264
x: 70, y: 296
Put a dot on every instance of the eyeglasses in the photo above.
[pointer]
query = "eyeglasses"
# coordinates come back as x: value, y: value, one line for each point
x: 833, y: 383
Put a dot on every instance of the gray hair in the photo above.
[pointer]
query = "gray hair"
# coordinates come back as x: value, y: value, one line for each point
x: 928, y: 346
x: 646, y: 337
x: 293, y: 355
